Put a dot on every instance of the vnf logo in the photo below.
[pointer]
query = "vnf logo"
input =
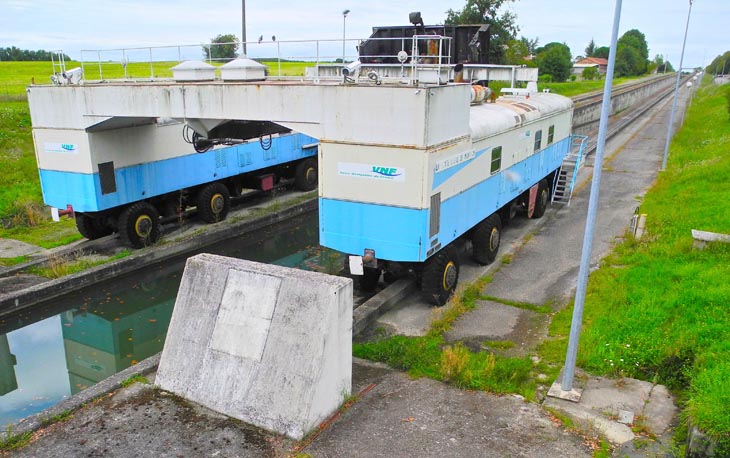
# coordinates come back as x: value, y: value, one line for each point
x: 386, y: 171
x: 68, y: 147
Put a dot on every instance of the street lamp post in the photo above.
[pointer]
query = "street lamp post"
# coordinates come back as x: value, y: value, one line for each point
x: 344, y: 18
x: 676, y: 91
x: 243, y: 28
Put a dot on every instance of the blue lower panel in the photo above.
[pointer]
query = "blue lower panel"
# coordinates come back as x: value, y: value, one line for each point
x: 401, y: 234
x: 83, y: 191
x: 351, y: 227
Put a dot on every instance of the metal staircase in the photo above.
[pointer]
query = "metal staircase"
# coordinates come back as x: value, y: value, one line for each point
x: 565, y: 179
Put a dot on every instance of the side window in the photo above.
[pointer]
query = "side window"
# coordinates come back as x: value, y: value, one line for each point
x: 551, y: 134
x: 538, y: 139
x: 496, y: 159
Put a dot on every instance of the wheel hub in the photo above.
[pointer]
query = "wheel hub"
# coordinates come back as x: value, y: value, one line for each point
x: 217, y: 203
x: 311, y: 175
x: 143, y: 226
x: 450, y: 273
x: 494, y: 239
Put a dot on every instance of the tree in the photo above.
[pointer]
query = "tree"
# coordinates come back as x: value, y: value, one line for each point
x: 720, y: 65
x: 531, y: 44
x: 555, y: 59
x: 516, y: 53
x: 601, y: 52
x: 222, y: 47
x: 628, y: 61
x: 591, y: 48
x: 502, y: 28
x: 632, y: 54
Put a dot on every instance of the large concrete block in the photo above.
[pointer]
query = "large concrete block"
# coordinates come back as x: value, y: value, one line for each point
x: 269, y: 345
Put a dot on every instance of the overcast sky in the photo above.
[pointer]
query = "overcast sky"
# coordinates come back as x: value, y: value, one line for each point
x: 102, y: 24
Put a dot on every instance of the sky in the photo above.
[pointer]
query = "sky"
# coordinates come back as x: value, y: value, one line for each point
x: 103, y: 24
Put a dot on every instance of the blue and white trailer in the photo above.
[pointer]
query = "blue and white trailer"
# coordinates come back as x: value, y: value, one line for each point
x: 123, y: 175
x: 405, y: 207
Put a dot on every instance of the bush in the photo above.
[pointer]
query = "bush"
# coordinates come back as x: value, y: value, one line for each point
x: 590, y: 73
x: 573, y: 77
x: 545, y: 78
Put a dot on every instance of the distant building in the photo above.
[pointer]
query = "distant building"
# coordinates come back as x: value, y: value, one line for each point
x: 599, y: 62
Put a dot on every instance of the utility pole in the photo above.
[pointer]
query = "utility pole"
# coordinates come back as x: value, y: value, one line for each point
x: 676, y: 91
x: 580, y: 294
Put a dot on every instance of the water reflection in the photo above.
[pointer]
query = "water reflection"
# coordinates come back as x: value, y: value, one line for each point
x: 75, y: 341
x: 8, y: 380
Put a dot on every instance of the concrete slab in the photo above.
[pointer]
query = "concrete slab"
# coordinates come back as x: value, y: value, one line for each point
x: 611, y: 407
x: 144, y: 422
x: 402, y: 417
x: 489, y: 320
x: 10, y: 248
x: 265, y: 344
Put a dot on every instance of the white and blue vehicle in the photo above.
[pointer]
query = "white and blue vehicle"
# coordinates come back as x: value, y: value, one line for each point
x: 125, y: 177
x: 407, y: 208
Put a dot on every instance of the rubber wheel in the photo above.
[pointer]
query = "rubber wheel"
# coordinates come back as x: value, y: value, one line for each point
x: 214, y: 202
x: 91, y: 228
x: 139, y: 225
x: 305, y: 175
x: 542, y: 199
x: 485, y: 239
x: 370, y: 278
x: 440, y: 276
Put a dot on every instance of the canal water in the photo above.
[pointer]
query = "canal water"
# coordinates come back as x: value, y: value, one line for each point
x: 72, y: 342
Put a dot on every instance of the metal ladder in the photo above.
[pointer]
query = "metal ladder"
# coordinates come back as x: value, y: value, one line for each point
x: 566, y: 176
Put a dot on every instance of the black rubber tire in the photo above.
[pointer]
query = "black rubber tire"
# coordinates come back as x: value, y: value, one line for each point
x: 139, y: 225
x: 542, y: 199
x: 213, y: 202
x: 91, y: 228
x: 440, y: 276
x: 485, y: 239
x: 370, y: 278
x: 305, y: 175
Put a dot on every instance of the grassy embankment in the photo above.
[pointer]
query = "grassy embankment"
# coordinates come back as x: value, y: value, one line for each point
x: 657, y: 309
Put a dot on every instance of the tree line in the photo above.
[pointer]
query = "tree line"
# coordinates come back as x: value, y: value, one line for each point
x: 553, y: 59
x: 720, y: 65
x: 16, y: 54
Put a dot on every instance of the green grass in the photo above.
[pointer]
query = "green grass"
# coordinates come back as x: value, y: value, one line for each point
x: 658, y: 308
x: 431, y: 356
x: 60, y: 266
x: 46, y: 234
x: 572, y: 88
x: 137, y: 378
x: 9, y: 262
x: 14, y: 441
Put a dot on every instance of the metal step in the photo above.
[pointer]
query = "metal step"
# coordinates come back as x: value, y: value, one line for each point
x: 566, y: 176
